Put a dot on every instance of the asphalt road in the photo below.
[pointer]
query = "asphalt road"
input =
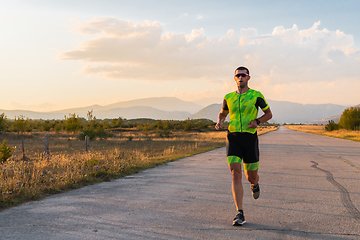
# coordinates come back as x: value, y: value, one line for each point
x: 310, y: 189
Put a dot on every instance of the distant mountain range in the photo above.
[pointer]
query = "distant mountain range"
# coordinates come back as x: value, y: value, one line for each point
x: 335, y: 118
x: 156, y: 108
x: 286, y: 112
x: 171, y: 108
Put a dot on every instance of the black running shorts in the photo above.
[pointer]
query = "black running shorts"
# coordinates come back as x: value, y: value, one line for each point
x: 243, y: 146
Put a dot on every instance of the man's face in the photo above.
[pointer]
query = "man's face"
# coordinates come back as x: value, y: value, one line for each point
x: 241, y: 81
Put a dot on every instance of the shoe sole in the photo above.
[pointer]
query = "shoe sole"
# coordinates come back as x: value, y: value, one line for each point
x: 256, y: 195
x: 237, y: 223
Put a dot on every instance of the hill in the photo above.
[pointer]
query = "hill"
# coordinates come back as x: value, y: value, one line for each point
x: 161, y: 103
x: 335, y: 118
x: 288, y: 112
x: 141, y: 112
x: 129, y: 113
x: 157, y: 108
x: 284, y: 112
x: 167, y: 108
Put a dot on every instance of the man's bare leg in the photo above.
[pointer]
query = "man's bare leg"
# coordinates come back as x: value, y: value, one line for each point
x: 253, y: 178
x: 237, y: 188
x: 238, y: 193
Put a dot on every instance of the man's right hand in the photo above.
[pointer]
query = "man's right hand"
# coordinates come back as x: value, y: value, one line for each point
x: 221, y: 118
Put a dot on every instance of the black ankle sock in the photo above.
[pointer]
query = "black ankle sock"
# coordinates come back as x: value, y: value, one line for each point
x: 241, y: 211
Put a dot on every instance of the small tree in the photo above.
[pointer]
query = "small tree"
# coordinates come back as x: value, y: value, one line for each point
x: 46, y: 126
x: 331, y: 126
x: 159, y: 124
x: 21, y: 124
x: 117, y: 122
x: 2, y: 123
x: 92, y: 119
x: 200, y: 124
x: 88, y: 132
x: 350, y: 118
x: 72, y: 123
x: 58, y: 126
x: 187, y: 125
x: 5, y: 152
x: 90, y: 115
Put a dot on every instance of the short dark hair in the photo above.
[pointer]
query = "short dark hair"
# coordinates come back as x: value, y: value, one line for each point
x: 243, y: 68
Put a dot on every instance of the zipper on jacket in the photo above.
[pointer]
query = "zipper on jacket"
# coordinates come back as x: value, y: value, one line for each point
x: 240, y: 112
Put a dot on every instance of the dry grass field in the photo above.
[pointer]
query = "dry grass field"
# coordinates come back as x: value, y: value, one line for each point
x: 320, y: 130
x: 68, y: 165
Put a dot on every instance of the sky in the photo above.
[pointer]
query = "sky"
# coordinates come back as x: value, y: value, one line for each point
x: 65, y: 54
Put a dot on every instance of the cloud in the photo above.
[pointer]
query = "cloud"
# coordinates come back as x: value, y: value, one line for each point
x: 113, y: 28
x: 122, y: 50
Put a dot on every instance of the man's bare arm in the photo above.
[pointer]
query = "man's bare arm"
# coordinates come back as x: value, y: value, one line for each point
x: 221, y: 118
x: 264, y: 118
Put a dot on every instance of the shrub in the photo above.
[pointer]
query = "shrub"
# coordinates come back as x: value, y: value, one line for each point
x: 187, y: 125
x: 350, y: 118
x: 159, y: 124
x: 93, y: 162
x: 73, y: 123
x: 89, y: 132
x: 101, y: 133
x: 146, y: 128
x: 117, y: 122
x: 46, y: 126
x: 93, y: 133
x: 5, y: 152
x: 331, y: 126
x: 200, y: 125
x: 167, y: 133
x: 58, y: 127
x: 2, y: 122
x: 21, y: 124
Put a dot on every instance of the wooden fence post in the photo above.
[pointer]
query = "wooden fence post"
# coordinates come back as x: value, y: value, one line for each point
x: 87, y: 143
x: 46, y: 144
x: 23, y: 148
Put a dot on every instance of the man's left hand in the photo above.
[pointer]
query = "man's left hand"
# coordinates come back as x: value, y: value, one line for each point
x: 253, y: 124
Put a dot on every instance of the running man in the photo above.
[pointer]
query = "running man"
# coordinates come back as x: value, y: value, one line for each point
x: 242, y: 141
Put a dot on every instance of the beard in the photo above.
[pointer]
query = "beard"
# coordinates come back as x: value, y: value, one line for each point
x: 241, y: 85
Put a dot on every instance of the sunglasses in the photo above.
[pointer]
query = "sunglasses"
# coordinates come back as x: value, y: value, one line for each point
x: 241, y: 75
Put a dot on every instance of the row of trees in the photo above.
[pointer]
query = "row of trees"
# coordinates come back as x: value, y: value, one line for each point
x: 349, y: 120
x: 94, y: 127
x: 22, y: 124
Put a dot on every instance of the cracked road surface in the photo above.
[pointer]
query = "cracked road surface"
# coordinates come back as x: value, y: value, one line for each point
x: 310, y: 189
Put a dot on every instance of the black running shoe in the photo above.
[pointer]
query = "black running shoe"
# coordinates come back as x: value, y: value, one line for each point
x: 239, y: 220
x: 255, y: 191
